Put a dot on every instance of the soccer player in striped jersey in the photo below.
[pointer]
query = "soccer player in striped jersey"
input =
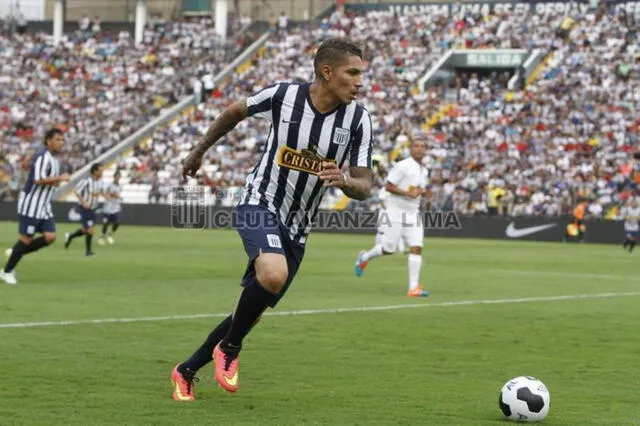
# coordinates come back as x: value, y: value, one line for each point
x: 34, y: 204
x: 111, y: 210
x: 88, y: 192
x: 316, y: 129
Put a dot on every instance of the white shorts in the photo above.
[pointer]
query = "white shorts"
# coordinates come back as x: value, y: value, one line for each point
x: 395, y: 226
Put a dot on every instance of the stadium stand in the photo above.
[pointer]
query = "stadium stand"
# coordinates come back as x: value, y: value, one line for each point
x: 98, y: 86
x: 400, y: 49
x: 567, y: 136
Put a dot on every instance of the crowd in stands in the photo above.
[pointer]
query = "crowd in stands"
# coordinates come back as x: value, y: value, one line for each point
x: 97, y: 86
x: 569, y: 136
x: 399, y: 49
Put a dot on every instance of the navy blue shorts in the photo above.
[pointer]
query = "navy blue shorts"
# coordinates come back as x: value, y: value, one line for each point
x: 88, y: 217
x: 29, y: 226
x: 262, y: 232
x: 631, y: 234
x: 111, y: 218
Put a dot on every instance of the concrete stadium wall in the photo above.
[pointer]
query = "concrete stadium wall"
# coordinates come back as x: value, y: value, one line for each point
x: 522, y: 228
x: 124, y: 10
x: 295, y: 9
x: 112, y: 10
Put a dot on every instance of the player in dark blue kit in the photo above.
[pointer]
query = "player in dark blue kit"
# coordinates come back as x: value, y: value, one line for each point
x: 88, y: 192
x: 34, y: 204
x: 315, y: 129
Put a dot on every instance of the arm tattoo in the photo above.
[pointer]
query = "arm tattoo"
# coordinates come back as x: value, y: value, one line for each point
x: 358, y: 185
x: 229, y: 118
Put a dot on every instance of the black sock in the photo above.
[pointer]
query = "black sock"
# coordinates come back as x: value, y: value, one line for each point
x: 104, y: 229
x: 76, y: 234
x: 632, y: 244
x: 253, y: 301
x: 17, y: 253
x: 87, y: 240
x: 626, y: 243
x: 35, y: 245
x: 114, y: 227
x: 204, y: 354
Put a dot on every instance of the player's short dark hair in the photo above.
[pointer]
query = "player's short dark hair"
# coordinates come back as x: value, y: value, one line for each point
x: 334, y: 50
x: 51, y: 133
x: 94, y: 167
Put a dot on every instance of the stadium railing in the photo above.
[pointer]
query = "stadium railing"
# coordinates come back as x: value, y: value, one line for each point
x: 148, y: 130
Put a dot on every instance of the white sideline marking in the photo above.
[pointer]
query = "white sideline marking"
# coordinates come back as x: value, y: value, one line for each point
x: 327, y: 311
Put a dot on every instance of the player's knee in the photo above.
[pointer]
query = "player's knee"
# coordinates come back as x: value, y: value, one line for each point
x: 416, y: 250
x: 26, y: 240
x: 89, y: 231
x: 50, y: 238
x: 388, y: 247
x: 272, y: 271
x: 273, y: 280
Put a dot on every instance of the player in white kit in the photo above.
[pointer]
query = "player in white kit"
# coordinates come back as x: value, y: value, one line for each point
x: 382, y: 197
x: 402, y: 218
x: 631, y: 215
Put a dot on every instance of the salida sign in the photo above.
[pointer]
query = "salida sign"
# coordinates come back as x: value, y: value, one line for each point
x: 494, y: 60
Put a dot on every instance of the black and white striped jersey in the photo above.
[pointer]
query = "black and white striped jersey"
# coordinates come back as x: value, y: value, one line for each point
x: 112, y: 205
x: 35, y: 200
x: 90, y: 189
x: 285, y: 180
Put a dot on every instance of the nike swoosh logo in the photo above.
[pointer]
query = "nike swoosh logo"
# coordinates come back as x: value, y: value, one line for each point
x: 512, y: 232
x: 233, y: 380
x: 178, y: 392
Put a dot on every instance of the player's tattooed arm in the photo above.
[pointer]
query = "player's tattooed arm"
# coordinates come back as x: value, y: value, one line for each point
x: 358, y: 183
x: 229, y: 118
x: 223, y: 124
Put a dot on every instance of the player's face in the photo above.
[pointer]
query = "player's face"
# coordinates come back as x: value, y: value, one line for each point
x: 345, y: 79
x: 417, y: 150
x: 55, y: 144
x: 98, y: 173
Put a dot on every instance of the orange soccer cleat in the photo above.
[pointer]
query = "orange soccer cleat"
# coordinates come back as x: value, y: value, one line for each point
x: 182, y: 386
x: 418, y: 292
x: 226, y: 369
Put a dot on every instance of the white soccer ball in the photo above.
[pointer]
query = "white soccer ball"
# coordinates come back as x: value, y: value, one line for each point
x: 525, y: 399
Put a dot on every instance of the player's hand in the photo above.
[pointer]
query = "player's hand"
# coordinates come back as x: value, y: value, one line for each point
x: 191, y: 164
x: 414, y: 193
x: 64, y: 177
x: 85, y: 205
x: 332, y: 175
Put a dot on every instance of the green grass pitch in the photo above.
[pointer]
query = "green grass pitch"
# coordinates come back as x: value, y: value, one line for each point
x: 441, y: 363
